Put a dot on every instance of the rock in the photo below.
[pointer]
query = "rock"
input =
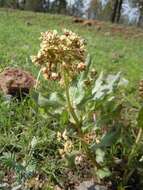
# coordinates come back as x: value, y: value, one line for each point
x: 89, y: 185
x: 16, y: 82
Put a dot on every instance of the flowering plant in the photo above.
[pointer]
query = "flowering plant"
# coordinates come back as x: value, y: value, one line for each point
x: 87, y: 103
x: 62, y: 58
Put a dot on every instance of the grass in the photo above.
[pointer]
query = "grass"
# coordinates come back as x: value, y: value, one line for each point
x: 19, y: 33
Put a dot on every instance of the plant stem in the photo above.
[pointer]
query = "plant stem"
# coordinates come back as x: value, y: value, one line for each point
x: 131, y: 156
x: 71, y: 109
x: 78, y: 124
x: 37, y: 80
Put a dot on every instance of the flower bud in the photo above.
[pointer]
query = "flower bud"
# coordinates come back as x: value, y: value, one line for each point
x: 87, y: 82
x: 59, y: 136
x: 64, y: 65
x: 81, y: 66
x: 62, y: 152
x: 60, y: 52
x: 44, y: 70
x: 54, y: 76
x: 46, y: 76
x: 64, y: 135
x: 78, y: 159
x: 93, y: 73
x: 61, y: 82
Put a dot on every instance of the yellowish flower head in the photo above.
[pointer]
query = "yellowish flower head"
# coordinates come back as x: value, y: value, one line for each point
x: 60, y: 52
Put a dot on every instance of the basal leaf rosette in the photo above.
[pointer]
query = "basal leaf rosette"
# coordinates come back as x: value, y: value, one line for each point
x: 60, y: 53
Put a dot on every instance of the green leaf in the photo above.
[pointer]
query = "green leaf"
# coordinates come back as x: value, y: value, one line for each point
x: 109, y: 139
x: 113, y: 81
x: 33, y: 142
x: 123, y: 82
x: 98, y: 83
x: 140, y: 118
x: 88, y: 63
x: 100, y: 154
x: 104, y: 172
x: 8, y: 159
x: 35, y: 96
x: 104, y: 87
x: 57, y: 97
x: 53, y: 101
x: 64, y: 118
x: 31, y: 167
x: 71, y: 158
x: 76, y: 94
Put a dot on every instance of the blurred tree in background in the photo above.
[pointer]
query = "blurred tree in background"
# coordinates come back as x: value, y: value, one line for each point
x: 140, y: 22
x: 76, y: 9
x: 34, y: 5
x: 116, y: 10
x: 59, y: 6
x: 111, y: 11
x: 9, y: 3
x: 108, y: 10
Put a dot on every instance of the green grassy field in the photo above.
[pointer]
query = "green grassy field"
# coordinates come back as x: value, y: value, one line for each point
x: 19, y: 33
x: 20, y: 122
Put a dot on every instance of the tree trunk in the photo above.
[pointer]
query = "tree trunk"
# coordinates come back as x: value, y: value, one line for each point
x: 48, y: 5
x: 140, y: 21
x: 115, y: 8
x: 119, y: 11
x: 34, y: 5
x: 62, y: 6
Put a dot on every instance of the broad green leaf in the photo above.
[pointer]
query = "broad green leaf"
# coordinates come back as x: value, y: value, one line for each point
x: 100, y: 154
x: 71, y: 158
x: 57, y: 97
x: 53, y: 101
x: 123, y: 82
x: 42, y: 101
x: 104, y: 87
x: 76, y: 94
x: 104, y: 172
x: 109, y: 139
x: 112, y: 82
